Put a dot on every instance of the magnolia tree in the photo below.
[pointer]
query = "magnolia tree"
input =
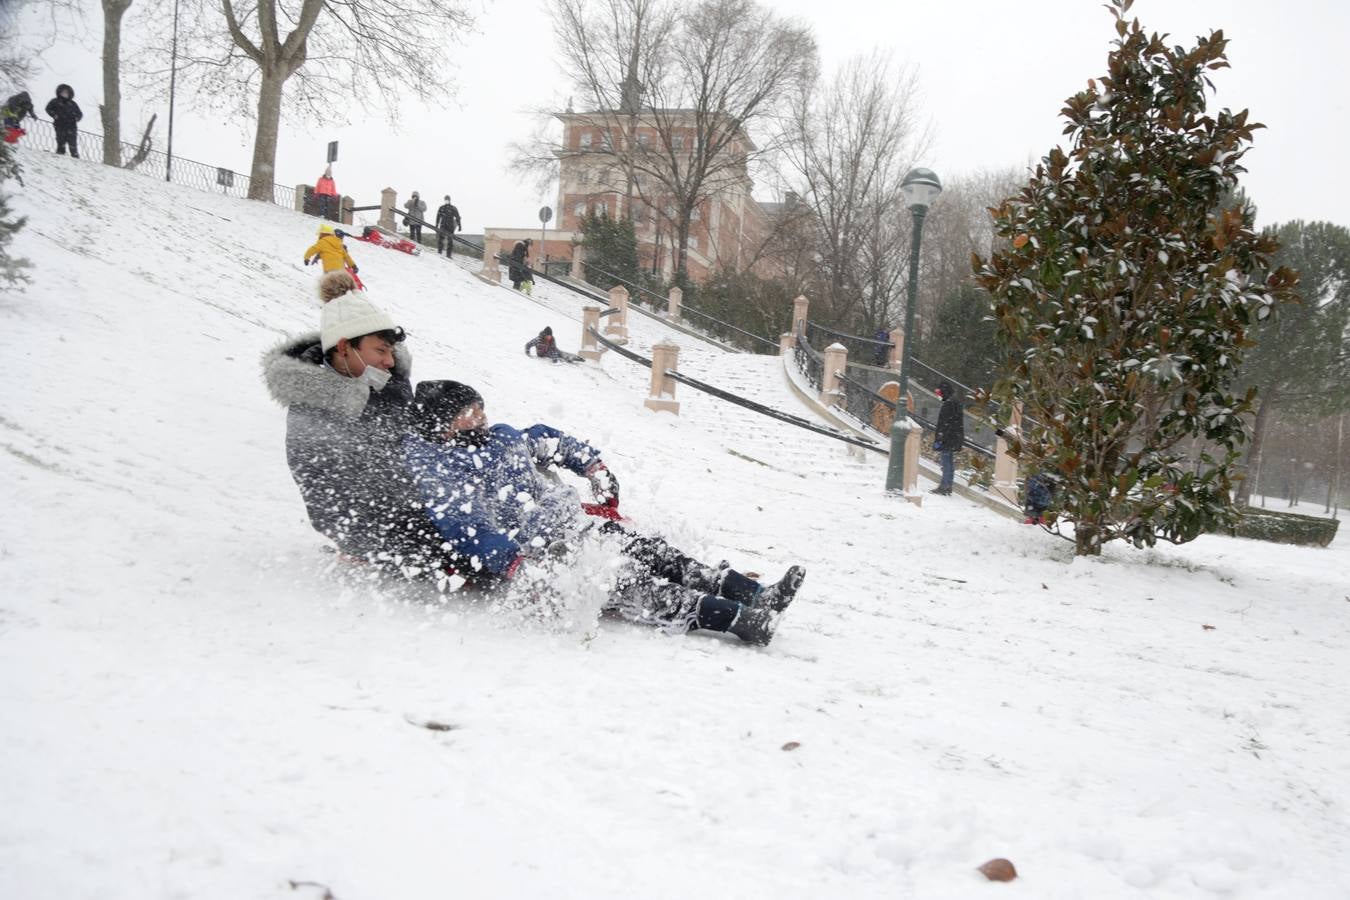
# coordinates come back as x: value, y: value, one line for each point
x: 1125, y: 295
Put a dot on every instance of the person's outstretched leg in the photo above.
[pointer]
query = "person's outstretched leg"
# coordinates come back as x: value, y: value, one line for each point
x: 661, y: 559
x: 640, y: 598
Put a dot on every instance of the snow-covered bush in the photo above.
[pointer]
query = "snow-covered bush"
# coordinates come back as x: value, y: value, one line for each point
x: 11, y: 268
x: 1125, y: 293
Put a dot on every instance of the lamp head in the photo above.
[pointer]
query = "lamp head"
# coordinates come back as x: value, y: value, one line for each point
x: 920, y: 187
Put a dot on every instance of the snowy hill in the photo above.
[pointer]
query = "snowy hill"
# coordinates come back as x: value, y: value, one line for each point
x: 192, y: 706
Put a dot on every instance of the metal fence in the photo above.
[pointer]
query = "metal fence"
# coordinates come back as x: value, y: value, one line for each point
x: 41, y: 135
x: 860, y: 349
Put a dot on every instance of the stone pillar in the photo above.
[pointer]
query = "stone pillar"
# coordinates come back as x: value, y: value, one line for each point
x: 897, y: 346
x: 492, y: 270
x: 1005, y: 467
x: 616, y: 326
x: 836, y: 360
x: 388, y: 202
x: 661, y: 398
x: 787, y: 343
x: 799, y: 310
x: 676, y: 298
x: 346, y: 214
x: 590, y: 347
x: 578, y: 262
x: 912, y: 444
x: 300, y: 198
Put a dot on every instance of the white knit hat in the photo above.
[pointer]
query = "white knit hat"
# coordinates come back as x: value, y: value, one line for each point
x: 350, y: 316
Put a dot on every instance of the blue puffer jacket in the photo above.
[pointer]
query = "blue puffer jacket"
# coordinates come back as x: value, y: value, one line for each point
x: 490, y: 500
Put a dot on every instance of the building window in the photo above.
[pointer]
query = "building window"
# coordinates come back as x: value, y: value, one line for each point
x: 677, y: 142
x: 644, y: 141
x: 579, y: 210
x: 693, y: 242
x: 695, y: 215
x: 585, y: 140
x: 606, y: 141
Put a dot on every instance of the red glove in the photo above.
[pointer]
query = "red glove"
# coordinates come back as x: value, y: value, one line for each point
x: 511, y: 569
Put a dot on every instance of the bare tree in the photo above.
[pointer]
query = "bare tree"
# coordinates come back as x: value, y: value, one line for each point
x: 111, y: 109
x: 851, y: 143
x: 694, y: 84
x: 260, y: 55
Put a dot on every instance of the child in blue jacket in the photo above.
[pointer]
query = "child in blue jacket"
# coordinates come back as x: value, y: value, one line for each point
x: 491, y: 495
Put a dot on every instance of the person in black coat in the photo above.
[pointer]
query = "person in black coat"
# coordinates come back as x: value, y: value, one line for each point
x: 348, y: 396
x: 447, y: 223
x: 18, y: 108
x: 950, y: 436
x: 66, y: 115
x: 519, y: 270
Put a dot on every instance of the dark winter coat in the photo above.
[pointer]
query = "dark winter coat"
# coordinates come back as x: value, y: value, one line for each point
x: 951, y: 426
x: 1040, y: 492
x: 343, y: 445
x: 17, y: 108
x: 447, y: 218
x: 417, y: 208
x: 519, y: 271
x: 492, y: 499
x: 64, y: 111
x: 544, y: 346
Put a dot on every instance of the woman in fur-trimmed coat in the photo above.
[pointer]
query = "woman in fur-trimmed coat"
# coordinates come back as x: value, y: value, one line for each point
x: 344, y: 434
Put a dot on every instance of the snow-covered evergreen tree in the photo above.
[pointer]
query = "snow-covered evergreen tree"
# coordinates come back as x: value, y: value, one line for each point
x: 1124, y: 299
x: 11, y: 267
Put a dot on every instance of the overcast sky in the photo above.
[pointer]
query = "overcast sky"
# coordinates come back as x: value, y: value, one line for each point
x: 993, y: 76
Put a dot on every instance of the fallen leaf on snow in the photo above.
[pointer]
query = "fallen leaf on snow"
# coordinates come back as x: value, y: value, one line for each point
x: 791, y: 745
x: 999, y: 870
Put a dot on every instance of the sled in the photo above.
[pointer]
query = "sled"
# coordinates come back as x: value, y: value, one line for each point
x: 372, y: 235
x: 360, y: 286
x: 13, y: 133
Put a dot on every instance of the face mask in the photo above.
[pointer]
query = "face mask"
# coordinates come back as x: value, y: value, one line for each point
x: 375, y: 377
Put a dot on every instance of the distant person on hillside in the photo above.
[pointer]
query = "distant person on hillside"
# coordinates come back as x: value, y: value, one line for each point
x: 494, y: 499
x: 347, y: 394
x: 326, y: 190
x: 65, y: 115
x: 1040, y: 493
x: 545, y: 347
x: 330, y: 250
x: 519, y: 270
x: 950, y: 436
x: 447, y: 223
x: 16, y: 109
x: 417, y: 213
x: 882, y: 355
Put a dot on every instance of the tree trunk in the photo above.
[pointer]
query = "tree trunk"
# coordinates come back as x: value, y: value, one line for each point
x: 682, y: 249
x: 111, y: 109
x: 1086, y: 539
x: 1254, y: 454
x: 263, y: 173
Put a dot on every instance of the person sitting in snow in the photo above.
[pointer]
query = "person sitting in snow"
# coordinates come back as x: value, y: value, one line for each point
x: 545, y: 347
x: 1040, y: 491
x: 65, y: 114
x: 347, y: 395
x: 330, y: 251
x: 494, y: 501
x: 16, y: 109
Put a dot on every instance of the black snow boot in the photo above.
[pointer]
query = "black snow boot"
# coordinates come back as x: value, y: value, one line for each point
x: 755, y: 625
x: 776, y: 597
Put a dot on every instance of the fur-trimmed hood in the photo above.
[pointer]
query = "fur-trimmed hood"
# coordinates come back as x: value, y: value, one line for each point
x: 295, y: 375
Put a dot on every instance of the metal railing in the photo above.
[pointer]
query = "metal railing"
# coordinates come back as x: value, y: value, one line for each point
x: 41, y: 135
x: 745, y: 402
x: 860, y: 349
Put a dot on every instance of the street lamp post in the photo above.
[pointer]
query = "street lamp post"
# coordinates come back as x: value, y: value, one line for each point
x: 920, y: 187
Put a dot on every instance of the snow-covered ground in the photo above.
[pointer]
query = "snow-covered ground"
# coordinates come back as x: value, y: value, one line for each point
x: 191, y: 705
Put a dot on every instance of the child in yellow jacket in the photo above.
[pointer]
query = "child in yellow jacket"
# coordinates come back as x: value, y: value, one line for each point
x: 330, y: 250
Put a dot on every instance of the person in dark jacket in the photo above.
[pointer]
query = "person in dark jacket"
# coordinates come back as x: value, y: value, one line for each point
x: 881, y: 355
x: 950, y: 436
x: 347, y: 396
x: 1040, y: 493
x: 545, y: 347
x: 519, y: 269
x: 447, y: 223
x: 493, y: 499
x: 18, y: 108
x: 66, y: 115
